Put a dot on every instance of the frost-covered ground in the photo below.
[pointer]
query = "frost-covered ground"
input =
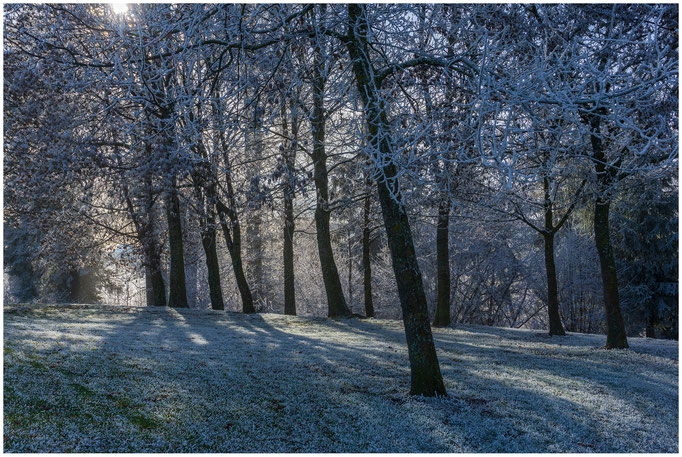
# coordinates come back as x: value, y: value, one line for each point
x: 96, y: 378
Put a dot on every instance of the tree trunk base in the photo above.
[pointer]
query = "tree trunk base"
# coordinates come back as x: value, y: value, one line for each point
x: 617, y: 345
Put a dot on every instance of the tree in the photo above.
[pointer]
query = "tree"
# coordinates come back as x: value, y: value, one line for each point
x: 426, y: 378
x: 336, y: 303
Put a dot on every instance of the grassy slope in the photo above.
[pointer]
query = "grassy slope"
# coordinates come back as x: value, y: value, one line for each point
x: 88, y: 378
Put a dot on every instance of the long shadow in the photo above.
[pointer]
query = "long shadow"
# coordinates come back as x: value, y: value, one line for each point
x: 210, y: 381
x: 574, y: 351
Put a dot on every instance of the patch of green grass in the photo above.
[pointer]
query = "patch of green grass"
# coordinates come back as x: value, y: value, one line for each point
x: 12, y: 418
x: 124, y: 402
x: 65, y: 372
x: 40, y: 405
x: 36, y: 364
x: 82, y: 390
x: 142, y: 421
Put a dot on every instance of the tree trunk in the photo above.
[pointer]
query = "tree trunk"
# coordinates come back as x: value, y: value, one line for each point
x: 204, y: 192
x: 254, y: 250
x: 149, y: 296
x: 652, y: 320
x: 442, y: 318
x: 254, y: 244
x: 555, y: 326
x: 616, y: 337
x: 288, y: 229
x: 156, y: 292
x: 336, y: 303
x: 366, y: 261
x: 208, y: 240
x: 233, y: 242
x: 157, y: 295
x: 288, y: 255
x: 426, y: 378
x: 144, y: 224
x: 74, y: 285
x: 350, y: 271
x: 177, y: 297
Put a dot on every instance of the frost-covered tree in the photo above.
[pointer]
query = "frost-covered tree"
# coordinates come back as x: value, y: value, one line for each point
x: 242, y: 155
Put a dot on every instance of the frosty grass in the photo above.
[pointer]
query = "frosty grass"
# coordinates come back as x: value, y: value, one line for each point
x: 82, y: 378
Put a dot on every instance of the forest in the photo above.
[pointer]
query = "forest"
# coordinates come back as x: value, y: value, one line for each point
x: 446, y: 165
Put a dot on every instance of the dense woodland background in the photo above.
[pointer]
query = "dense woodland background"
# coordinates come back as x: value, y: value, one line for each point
x: 230, y: 155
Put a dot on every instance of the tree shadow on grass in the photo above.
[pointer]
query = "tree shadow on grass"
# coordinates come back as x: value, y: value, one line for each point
x: 177, y: 380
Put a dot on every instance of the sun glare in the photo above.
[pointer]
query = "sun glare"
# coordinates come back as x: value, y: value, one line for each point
x: 119, y: 8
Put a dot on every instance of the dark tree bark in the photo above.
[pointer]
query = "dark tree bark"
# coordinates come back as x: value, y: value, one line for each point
x: 555, y: 326
x: 426, y: 378
x: 157, y: 293
x: 366, y: 260
x: 548, y: 231
x: 203, y: 176
x: 652, y: 320
x: 616, y: 337
x: 233, y: 242
x: 146, y: 233
x: 288, y: 228
x: 156, y: 287
x: 229, y: 222
x: 350, y: 270
x: 149, y: 297
x: 208, y: 240
x: 336, y: 302
x: 206, y: 205
x: 288, y: 256
x: 442, y: 318
x: 177, y: 296
x: 74, y: 285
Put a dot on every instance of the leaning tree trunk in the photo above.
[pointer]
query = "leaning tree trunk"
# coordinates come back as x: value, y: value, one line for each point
x: 234, y: 243
x: 229, y: 219
x: 426, y: 378
x: 177, y: 297
x: 336, y: 302
x: 616, y: 337
x: 442, y: 318
x: 366, y: 260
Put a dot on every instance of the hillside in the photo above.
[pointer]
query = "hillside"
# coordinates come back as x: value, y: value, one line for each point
x: 86, y: 378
